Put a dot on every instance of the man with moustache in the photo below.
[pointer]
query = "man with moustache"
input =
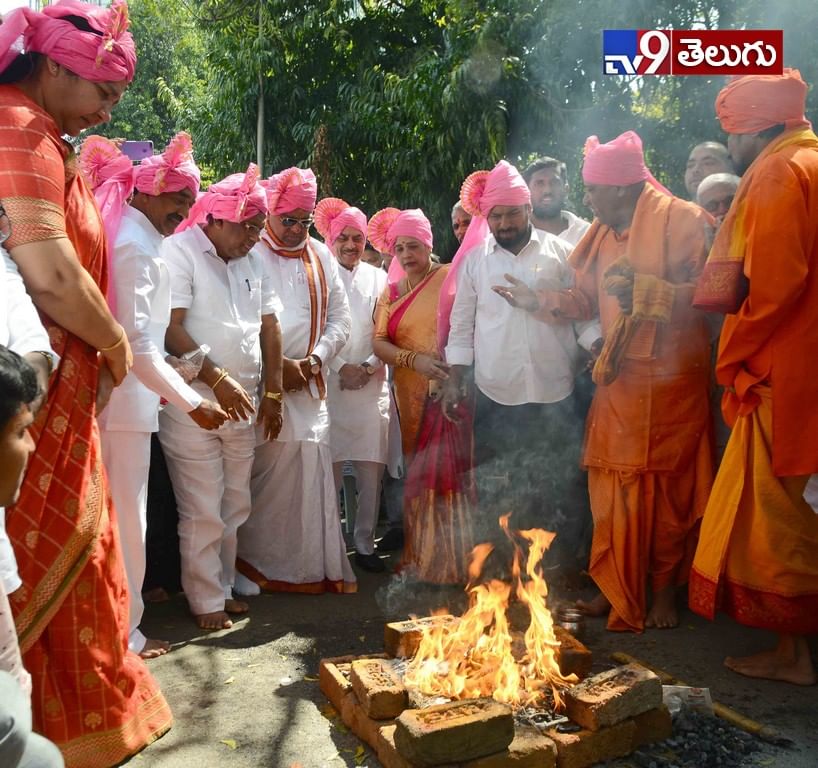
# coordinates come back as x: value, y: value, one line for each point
x: 222, y: 298
x: 715, y: 194
x: 357, y: 389
x: 705, y: 159
x: 547, y: 180
x: 460, y: 221
x: 163, y: 188
x: 526, y: 434
x: 293, y: 540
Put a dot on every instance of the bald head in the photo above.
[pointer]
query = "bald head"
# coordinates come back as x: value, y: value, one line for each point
x: 716, y: 192
x: 705, y: 159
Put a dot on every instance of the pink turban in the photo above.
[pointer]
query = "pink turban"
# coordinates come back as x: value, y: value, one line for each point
x: 172, y: 171
x: 755, y: 102
x: 333, y: 216
x: 503, y: 185
x: 387, y: 225
x: 618, y: 163
x: 291, y: 190
x: 237, y: 198
x: 109, y: 56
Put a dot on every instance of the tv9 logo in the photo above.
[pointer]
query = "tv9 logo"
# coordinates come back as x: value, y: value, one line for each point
x: 636, y: 51
x: 693, y: 52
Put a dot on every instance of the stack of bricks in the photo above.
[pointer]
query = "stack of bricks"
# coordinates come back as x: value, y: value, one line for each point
x: 614, y: 713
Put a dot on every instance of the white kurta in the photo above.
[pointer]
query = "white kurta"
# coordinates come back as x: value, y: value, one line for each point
x: 359, y: 418
x: 293, y: 538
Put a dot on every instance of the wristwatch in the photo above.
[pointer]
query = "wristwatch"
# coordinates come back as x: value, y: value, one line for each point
x: 315, y: 364
x: 277, y: 396
x: 368, y: 368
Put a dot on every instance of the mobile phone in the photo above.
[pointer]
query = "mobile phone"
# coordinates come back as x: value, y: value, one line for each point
x: 137, y: 150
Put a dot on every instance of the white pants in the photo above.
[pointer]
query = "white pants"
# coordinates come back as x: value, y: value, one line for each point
x: 210, y: 472
x: 368, y: 476
x: 127, y: 458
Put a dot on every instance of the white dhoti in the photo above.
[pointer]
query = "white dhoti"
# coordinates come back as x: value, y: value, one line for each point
x: 292, y: 541
x: 368, y: 476
x: 210, y: 472
x: 127, y: 458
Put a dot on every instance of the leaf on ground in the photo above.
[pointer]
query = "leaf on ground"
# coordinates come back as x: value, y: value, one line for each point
x: 310, y: 679
x: 362, y: 637
x: 327, y: 710
x: 230, y: 680
x: 229, y: 743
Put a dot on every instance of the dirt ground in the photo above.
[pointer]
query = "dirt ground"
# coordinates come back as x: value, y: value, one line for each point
x: 248, y: 697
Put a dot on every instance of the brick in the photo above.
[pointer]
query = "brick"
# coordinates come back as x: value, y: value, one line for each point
x: 530, y: 749
x: 613, y: 696
x: 388, y: 755
x: 455, y: 732
x: 356, y: 719
x: 379, y: 689
x: 572, y: 656
x: 333, y: 676
x: 655, y: 725
x: 585, y: 748
x: 401, y: 638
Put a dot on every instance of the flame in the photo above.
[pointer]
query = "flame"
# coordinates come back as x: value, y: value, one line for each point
x: 474, y: 657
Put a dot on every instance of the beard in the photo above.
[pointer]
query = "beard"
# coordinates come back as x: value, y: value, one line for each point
x: 548, y: 210
x: 513, y: 240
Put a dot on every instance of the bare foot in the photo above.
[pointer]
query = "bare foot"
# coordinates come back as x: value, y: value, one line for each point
x: 663, y: 613
x: 789, y: 662
x: 154, y: 648
x: 599, y: 606
x: 215, y: 620
x: 235, y: 606
x: 158, y: 595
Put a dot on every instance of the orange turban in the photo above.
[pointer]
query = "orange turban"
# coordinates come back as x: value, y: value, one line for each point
x: 756, y: 102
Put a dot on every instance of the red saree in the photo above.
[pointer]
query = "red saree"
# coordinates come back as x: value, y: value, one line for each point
x: 439, y: 494
x: 91, y: 696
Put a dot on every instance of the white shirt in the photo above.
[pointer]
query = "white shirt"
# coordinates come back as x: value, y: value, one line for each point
x: 576, y: 228
x: 305, y: 416
x: 518, y: 358
x: 359, y: 419
x: 224, y: 303
x: 142, y: 289
x: 22, y: 332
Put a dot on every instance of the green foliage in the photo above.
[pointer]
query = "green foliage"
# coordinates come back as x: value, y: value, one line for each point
x: 394, y: 102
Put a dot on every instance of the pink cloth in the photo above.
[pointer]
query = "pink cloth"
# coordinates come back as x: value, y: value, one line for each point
x: 502, y: 185
x: 106, y: 57
x: 333, y: 216
x: 110, y: 174
x: 618, y: 163
x: 388, y: 224
x: 172, y: 171
x: 291, y: 190
x: 237, y: 198
x: 756, y: 102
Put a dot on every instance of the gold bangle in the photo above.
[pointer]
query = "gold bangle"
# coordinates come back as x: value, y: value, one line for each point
x: 116, y: 343
x: 277, y: 396
x: 224, y: 374
x: 49, y: 359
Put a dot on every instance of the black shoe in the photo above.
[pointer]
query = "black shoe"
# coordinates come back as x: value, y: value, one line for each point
x: 392, y: 540
x: 371, y: 563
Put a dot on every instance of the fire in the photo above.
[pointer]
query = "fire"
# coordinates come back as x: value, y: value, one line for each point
x: 474, y: 657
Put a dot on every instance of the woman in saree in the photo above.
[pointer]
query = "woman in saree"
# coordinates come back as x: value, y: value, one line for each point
x: 91, y: 696
x: 438, y: 495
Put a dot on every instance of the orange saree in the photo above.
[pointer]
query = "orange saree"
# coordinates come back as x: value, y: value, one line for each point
x: 439, y: 494
x: 91, y: 696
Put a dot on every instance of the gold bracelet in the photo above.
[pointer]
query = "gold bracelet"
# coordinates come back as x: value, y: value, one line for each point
x: 224, y: 374
x: 277, y: 396
x: 116, y: 343
x: 49, y: 359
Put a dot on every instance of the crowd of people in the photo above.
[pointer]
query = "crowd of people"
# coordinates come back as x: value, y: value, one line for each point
x: 559, y: 371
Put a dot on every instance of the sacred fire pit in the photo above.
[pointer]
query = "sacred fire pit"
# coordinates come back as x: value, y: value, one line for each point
x: 475, y: 691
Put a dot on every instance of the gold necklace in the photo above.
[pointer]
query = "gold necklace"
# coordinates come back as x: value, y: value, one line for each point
x: 425, y: 275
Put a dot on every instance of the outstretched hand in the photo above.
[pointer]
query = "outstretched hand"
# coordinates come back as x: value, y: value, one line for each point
x: 517, y: 294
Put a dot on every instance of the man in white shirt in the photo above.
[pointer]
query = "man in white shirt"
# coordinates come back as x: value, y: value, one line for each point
x: 525, y: 428
x: 547, y: 180
x: 293, y: 540
x: 221, y: 297
x: 357, y: 389
x: 163, y: 188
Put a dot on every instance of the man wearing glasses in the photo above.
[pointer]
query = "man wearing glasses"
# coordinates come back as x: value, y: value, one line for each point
x: 292, y: 541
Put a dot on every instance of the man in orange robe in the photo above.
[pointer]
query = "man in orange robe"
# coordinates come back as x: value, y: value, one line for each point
x: 648, y: 445
x: 758, y: 555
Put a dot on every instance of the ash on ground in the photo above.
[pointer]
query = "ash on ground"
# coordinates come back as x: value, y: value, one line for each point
x: 702, y: 741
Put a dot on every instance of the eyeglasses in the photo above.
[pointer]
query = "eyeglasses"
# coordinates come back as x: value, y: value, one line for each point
x: 289, y: 222
x: 5, y: 225
x: 251, y: 229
